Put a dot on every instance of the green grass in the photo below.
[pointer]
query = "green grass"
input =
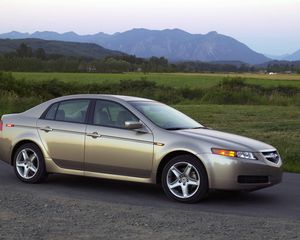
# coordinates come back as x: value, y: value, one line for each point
x: 168, y: 79
x: 276, y: 125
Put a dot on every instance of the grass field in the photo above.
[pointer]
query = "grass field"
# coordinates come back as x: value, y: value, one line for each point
x: 168, y: 79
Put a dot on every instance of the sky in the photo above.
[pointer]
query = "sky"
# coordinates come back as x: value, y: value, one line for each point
x: 266, y: 26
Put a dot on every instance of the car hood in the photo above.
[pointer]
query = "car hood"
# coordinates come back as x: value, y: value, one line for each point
x: 225, y: 140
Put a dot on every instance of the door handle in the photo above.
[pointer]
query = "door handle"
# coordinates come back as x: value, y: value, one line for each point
x: 93, y: 135
x: 46, y: 129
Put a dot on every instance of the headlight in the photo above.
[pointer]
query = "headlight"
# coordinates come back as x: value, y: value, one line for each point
x: 246, y: 155
x: 232, y: 153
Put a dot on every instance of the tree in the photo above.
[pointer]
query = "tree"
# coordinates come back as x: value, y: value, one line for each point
x: 24, y: 51
x: 40, y: 53
x: 114, y: 65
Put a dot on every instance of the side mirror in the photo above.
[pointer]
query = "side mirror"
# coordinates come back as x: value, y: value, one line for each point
x: 133, y: 125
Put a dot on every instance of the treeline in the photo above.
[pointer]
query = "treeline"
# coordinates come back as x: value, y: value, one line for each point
x: 25, y: 59
x: 284, y: 67
x: 196, y: 66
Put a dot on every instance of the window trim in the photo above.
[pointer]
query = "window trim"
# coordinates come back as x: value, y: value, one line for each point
x: 90, y: 112
x: 59, y: 102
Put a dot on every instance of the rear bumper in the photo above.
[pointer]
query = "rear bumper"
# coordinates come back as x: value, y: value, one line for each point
x: 5, y: 143
x: 5, y: 148
x: 226, y: 173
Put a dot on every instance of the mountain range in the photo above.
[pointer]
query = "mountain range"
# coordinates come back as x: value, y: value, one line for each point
x: 174, y: 44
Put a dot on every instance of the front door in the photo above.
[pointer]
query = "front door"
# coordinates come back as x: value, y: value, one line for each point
x: 112, y: 149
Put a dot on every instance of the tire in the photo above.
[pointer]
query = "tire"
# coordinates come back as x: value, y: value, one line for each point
x: 184, y: 179
x: 29, y: 164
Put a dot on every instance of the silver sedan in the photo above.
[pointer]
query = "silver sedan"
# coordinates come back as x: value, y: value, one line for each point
x: 133, y: 139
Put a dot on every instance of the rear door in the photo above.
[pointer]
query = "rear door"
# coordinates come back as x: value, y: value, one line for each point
x: 62, y: 131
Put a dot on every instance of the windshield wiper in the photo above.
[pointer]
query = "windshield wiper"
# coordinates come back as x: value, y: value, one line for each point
x: 175, y: 128
x: 178, y: 128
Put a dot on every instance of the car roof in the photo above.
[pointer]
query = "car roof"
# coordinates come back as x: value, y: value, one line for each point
x: 103, y: 96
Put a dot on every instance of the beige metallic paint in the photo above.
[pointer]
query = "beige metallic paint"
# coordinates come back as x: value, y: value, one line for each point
x: 119, y: 151
x: 65, y: 143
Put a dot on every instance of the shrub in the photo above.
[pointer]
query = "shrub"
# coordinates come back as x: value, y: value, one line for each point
x: 229, y: 91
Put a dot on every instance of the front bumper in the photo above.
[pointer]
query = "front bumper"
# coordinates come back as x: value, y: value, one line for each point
x: 227, y: 173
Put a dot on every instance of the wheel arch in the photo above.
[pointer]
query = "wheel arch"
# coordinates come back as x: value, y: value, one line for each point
x: 170, y: 156
x: 18, y: 144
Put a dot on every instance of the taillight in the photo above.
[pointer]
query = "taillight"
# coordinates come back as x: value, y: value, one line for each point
x: 1, y: 125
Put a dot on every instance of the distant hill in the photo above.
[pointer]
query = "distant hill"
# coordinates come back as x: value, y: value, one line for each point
x: 174, y: 44
x: 294, y: 56
x: 287, y: 57
x: 88, y: 50
x: 277, y: 57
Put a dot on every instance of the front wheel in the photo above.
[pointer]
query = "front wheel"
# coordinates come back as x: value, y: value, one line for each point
x: 184, y: 179
x: 29, y: 164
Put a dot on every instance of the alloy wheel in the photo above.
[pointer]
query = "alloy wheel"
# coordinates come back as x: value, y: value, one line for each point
x: 183, y: 180
x: 27, y: 163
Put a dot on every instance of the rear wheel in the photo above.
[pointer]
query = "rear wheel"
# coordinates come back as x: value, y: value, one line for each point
x: 29, y: 163
x: 184, y: 179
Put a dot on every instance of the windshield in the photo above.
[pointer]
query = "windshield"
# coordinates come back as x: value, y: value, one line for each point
x: 165, y: 116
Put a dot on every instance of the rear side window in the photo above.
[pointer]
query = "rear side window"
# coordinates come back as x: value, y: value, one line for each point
x: 72, y: 111
x: 51, y: 112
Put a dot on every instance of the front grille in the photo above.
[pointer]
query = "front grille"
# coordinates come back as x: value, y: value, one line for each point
x: 253, y: 179
x: 271, y: 156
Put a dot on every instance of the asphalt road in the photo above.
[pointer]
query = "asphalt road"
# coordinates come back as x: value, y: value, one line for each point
x: 74, y: 207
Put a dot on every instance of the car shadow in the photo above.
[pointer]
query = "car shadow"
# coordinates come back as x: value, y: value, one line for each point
x: 139, y: 193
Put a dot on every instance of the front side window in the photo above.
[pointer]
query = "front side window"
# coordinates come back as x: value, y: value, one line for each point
x: 72, y: 111
x: 111, y: 114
